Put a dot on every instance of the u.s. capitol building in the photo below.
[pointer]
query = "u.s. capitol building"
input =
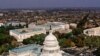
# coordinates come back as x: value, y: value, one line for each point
x: 50, y: 48
x: 24, y: 33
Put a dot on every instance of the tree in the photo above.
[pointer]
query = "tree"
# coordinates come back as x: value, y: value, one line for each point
x: 62, y: 42
x: 2, y: 29
x: 37, y: 39
x: 79, y: 42
x: 68, y: 35
x: 92, y: 41
x: 28, y: 41
x: 6, y: 42
x: 20, y: 26
x: 77, y: 31
x: 69, y: 43
x: 83, y: 21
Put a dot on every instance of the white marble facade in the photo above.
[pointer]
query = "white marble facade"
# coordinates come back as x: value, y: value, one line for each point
x: 21, y: 34
x: 92, y: 31
x: 51, y: 46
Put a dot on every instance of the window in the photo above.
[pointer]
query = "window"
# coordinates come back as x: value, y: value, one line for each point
x: 87, y: 32
x: 51, y: 51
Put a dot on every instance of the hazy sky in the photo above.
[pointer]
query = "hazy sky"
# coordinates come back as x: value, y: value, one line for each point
x: 48, y: 3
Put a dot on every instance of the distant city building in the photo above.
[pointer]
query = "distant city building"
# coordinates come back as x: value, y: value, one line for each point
x: 15, y: 23
x: 73, y: 25
x: 21, y: 34
x: 92, y: 31
x: 55, y: 26
x: 26, y: 11
x: 31, y: 25
x: 1, y: 14
x: 50, y: 48
x: 33, y: 29
x: 2, y: 24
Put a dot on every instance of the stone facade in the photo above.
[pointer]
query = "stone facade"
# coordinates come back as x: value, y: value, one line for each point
x: 92, y: 31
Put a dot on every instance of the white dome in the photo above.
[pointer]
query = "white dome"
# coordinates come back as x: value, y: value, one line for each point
x: 50, y: 37
x: 50, y: 40
x: 51, y: 44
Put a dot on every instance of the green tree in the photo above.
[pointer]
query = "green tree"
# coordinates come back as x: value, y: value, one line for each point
x: 69, y: 43
x: 37, y: 39
x: 62, y: 42
x: 92, y: 41
x: 77, y: 31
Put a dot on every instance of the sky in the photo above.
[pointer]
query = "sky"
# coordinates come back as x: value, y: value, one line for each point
x: 48, y: 3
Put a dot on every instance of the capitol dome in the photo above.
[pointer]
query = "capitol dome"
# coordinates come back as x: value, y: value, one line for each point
x: 50, y: 37
x: 51, y: 46
x: 51, y: 40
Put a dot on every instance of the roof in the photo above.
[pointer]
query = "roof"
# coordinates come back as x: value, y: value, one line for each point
x: 34, y: 48
x: 96, y: 28
x: 50, y: 37
x: 26, y: 30
x: 31, y: 47
x: 52, y: 24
